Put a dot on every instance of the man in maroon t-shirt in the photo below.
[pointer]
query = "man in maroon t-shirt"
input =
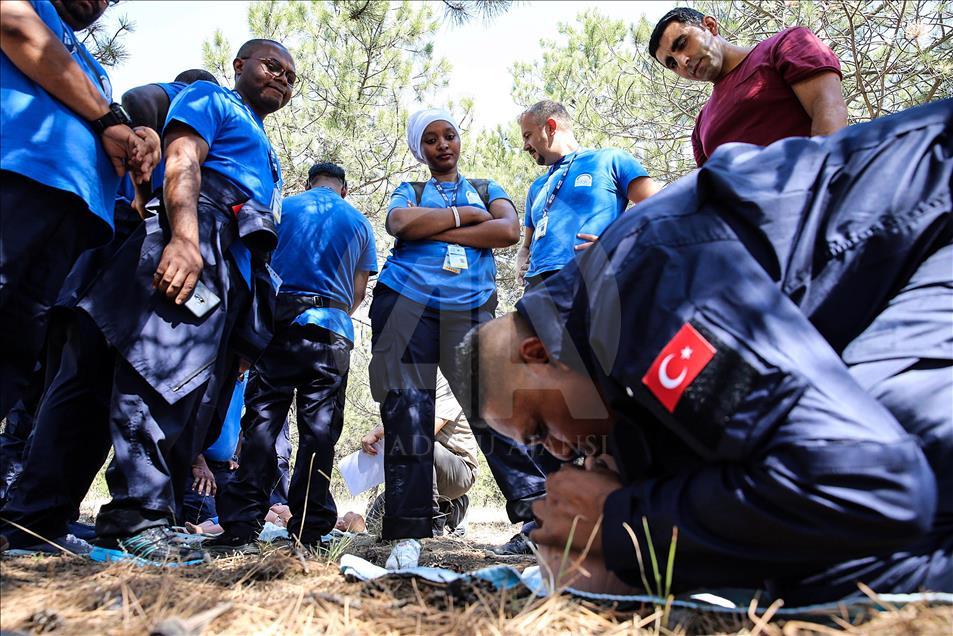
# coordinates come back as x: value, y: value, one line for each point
x: 787, y: 86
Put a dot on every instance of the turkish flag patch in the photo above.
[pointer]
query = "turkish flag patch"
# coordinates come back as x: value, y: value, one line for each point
x: 677, y: 366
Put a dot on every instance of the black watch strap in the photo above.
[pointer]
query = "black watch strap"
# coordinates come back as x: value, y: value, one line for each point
x: 116, y: 116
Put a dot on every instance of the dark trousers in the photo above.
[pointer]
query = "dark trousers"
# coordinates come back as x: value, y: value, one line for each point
x: 314, y: 361
x: 15, y: 439
x: 71, y: 437
x: 96, y: 400
x: 42, y: 232
x: 409, y: 342
x: 13, y: 445
x: 154, y: 444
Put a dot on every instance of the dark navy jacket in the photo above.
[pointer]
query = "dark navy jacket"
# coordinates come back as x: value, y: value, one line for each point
x: 777, y: 466
x: 168, y: 346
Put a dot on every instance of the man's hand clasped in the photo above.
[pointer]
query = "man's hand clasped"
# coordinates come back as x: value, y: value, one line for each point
x: 572, y: 493
x: 136, y: 150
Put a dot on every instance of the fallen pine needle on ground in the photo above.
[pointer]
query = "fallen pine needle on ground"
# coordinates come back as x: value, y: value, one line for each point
x: 279, y: 594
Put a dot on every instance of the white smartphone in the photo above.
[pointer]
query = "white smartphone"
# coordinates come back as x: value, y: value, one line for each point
x: 202, y: 300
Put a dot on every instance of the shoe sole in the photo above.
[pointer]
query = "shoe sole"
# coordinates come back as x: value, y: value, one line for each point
x: 109, y: 555
x: 22, y: 552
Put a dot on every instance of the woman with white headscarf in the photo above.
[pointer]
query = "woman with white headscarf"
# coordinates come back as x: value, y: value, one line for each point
x: 438, y: 282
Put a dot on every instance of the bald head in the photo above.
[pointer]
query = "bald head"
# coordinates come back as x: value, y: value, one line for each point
x: 546, y: 128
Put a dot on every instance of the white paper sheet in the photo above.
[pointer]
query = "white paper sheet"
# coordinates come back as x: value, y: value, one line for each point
x: 362, y: 471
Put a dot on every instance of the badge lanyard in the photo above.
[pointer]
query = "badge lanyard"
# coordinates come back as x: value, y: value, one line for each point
x: 559, y: 185
x: 456, y: 258
x: 273, y: 160
x: 456, y: 188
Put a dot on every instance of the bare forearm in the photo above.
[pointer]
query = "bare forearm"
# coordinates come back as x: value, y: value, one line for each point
x: 412, y: 224
x: 488, y: 235
x: 183, y: 180
x: 830, y: 115
x: 39, y: 55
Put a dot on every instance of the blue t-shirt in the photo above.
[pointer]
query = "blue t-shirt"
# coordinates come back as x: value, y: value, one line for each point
x: 44, y: 140
x: 223, y: 448
x: 172, y: 90
x: 592, y: 196
x: 415, y: 268
x: 322, y: 242
x: 238, y: 147
x: 127, y: 190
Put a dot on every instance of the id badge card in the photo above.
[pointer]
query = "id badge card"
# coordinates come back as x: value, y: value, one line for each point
x: 447, y: 266
x: 276, y: 204
x: 541, y: 227
x: 457, y: 257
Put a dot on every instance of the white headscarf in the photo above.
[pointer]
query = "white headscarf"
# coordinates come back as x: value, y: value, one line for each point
x: 417, y: 124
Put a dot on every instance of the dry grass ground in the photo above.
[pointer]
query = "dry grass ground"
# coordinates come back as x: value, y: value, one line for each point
x: 280, y: 594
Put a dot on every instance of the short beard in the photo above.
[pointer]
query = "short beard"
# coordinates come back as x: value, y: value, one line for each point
x: 77, y: 20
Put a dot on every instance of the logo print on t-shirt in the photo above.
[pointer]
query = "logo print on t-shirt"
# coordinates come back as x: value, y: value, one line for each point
x: 69, y: 42
x: 583, y: 181
x: 473, y: 198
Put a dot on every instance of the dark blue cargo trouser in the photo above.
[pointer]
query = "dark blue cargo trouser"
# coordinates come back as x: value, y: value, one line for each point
x: 409, y: 342
x: 42, y: 232
x: 314, y: 361
x: 14, y: 441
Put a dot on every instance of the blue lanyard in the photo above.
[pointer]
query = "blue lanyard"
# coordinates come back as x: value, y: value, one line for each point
x: 450, y: 202
x: 272, y: 157
x: 559, y: 185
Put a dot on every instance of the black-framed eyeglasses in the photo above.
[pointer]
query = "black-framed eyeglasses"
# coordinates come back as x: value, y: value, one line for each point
x: 276, y: 70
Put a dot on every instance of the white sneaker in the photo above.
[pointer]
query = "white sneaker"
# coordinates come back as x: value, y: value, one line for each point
x: 404, y: 555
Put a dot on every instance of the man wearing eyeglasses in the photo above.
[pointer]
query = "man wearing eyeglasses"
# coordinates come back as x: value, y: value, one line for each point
x: 64, y: 144
x: 185, y: 302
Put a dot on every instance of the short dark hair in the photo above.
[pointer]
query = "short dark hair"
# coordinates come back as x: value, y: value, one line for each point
x: 467, y: 363
x: 682, y: 15
x: 327, y: 169
x: 195, y: 75
x: 249, y: 47
x: 543, y: 110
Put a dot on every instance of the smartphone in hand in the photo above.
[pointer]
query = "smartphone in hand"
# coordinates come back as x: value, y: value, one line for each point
x: 202, y: 301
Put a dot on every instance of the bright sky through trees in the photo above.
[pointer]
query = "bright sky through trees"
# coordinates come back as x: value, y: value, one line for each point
x: 169, y: 36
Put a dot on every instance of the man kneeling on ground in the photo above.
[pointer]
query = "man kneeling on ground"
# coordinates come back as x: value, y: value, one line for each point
x: 765, y: 352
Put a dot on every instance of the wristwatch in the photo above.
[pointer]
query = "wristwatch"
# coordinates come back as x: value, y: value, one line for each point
x: 117, y: 115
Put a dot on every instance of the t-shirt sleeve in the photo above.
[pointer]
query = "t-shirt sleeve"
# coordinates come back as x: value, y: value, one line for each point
x: 528, y: 215
x: 495, y: 191
x: 369, y: 257
x: 201, y: 108
x: 403, y: 195
x: 697, y: 149
x: 799, y: 55
x: 625, y: 170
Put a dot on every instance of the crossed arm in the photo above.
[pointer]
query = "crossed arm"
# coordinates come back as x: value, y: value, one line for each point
x: 479, y: 228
